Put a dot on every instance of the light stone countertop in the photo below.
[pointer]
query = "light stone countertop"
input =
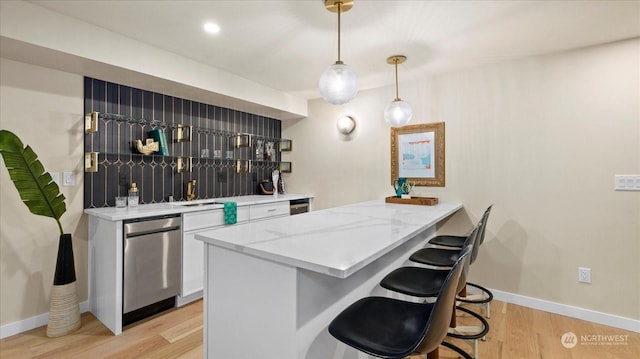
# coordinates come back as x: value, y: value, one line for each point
x: 168, y: 208
x: 336, y: 241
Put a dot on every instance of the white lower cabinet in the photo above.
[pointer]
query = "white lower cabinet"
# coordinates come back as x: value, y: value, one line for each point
x: 192, y: 264
x: 193, y: 249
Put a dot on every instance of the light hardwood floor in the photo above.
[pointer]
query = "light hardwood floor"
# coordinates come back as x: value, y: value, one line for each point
x: 516, y: 333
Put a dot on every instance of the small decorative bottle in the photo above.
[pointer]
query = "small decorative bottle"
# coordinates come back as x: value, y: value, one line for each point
x: 133, y: 195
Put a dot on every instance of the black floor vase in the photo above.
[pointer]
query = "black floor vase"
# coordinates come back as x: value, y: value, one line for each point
x: 64, y: 310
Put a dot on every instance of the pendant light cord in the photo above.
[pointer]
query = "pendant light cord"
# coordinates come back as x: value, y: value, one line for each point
x: 339, y: 10
x: 396, y: 64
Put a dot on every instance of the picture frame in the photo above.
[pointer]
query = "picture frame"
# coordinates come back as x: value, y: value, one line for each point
x: 418, y: 154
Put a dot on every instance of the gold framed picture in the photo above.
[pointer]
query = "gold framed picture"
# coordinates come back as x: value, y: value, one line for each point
x: 417, y: 154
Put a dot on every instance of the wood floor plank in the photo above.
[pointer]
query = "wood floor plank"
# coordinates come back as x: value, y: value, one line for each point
x: 516, y: 332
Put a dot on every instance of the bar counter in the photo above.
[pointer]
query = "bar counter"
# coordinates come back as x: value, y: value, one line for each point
x: 272, y: 287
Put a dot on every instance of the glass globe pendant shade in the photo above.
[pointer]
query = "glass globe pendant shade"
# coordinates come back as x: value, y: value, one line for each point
x: 398, y: 113
x: 338, y: 84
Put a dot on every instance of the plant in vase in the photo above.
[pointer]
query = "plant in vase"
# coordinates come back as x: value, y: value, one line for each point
x: 42, y: 196
x: 403, y: 188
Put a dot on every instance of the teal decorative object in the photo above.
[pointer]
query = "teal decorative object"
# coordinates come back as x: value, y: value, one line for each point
x: 397, y: 185
x: 402, y: 187
x: 230, y: 212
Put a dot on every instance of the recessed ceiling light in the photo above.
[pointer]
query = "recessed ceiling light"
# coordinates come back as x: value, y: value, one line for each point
x: 211, y: 28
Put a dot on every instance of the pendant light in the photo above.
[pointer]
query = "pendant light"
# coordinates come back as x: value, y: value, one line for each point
x: 338, y: 83
x: 397, y: 113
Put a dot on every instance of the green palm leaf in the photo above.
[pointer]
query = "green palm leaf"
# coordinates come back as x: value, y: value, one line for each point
x: 35, y: 186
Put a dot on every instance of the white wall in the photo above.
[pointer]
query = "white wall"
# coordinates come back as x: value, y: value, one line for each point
x: 44, y: 108
x: 540, y: 138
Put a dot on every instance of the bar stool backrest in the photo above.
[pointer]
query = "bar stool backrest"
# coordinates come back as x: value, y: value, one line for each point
x: 480, y: 235
x: 440, y: 316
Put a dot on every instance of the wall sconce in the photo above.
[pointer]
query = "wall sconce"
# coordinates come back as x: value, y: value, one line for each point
x: 346, y: 125
x: 397, y: 113
x: 338, y: 83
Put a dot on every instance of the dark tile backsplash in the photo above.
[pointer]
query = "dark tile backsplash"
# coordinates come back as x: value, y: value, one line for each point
x: 156, y: 176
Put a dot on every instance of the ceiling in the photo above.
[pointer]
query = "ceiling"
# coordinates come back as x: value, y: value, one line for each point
x: 286, y: 45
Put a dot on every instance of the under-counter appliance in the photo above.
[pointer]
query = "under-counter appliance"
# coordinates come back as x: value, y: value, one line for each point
x: 298, y: 206
x: 152, y: 265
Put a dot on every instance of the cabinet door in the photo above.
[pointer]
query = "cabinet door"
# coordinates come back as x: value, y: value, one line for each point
x: 192, y: 264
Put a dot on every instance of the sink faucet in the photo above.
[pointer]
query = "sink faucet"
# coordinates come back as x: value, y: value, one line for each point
x: 191, y: 190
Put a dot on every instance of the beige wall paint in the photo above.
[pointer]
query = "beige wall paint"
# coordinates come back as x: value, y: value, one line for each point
x: 541, y: 138
x: 44, y: 108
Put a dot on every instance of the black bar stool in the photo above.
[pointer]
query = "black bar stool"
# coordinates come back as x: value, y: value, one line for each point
x: 425, y: 282
x: 444, y: 258
x: 392, y: 328
x: 484, y: 297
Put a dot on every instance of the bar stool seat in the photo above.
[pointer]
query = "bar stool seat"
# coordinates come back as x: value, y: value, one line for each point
x: 415, y: 281
x: 405, y: 325
x: 435, y: 257
x: 448, y: 241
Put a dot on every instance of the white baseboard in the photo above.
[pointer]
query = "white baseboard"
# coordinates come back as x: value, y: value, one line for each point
x: 14, y: 328
x: 569, y: 311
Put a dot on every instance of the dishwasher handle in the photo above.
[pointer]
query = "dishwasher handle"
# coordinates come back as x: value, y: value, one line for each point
x: 151, y: 225
x: 144, y: 233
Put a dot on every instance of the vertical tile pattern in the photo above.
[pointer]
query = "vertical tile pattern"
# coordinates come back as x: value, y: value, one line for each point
x: 119, y: 163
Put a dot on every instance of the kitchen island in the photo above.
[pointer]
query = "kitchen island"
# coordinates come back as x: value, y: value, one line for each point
x: 271, y: 288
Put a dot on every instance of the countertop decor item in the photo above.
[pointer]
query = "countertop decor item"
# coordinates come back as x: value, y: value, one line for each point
x: 397, y: 113
x: 338, y: 83
x: 422, y: 201
x: 42, y: 196
x: 275, y: 176
x: 230, y: 212
x: 403, y: 188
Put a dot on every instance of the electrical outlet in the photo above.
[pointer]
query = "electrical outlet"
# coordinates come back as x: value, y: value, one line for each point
x: 584, y: 275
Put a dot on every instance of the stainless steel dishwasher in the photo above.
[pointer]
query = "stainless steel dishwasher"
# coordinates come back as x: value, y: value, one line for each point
x: 152, y: 265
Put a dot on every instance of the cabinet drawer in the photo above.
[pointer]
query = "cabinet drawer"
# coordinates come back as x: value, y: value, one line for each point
x: 211, y: 218
x: 269, y: 210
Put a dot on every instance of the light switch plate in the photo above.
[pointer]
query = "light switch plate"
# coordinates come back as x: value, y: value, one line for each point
x: 68, y: 179
x: 627, y: 182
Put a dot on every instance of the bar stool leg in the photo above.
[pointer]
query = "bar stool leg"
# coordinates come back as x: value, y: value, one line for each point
x: 435, y: 354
